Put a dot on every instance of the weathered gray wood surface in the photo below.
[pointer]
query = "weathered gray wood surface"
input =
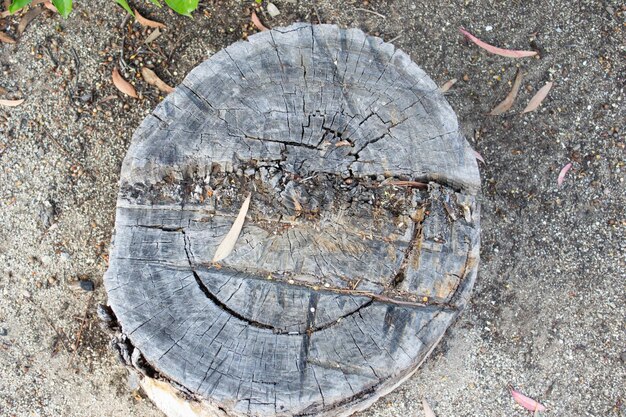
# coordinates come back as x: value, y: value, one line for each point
x: 343, y: 278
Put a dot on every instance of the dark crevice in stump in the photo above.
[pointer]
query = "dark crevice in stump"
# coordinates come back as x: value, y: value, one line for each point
x: 360, y: 246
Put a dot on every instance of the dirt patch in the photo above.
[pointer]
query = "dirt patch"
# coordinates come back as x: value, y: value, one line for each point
x: 548, y: 311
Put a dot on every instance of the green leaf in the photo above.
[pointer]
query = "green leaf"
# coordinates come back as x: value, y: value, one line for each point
x: 125, y: 5
x: 18, y: 4
x: 63, y: 6
x: 184, y: 7
x: 157, y: 3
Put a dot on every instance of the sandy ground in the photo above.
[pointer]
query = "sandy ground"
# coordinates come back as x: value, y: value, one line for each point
x: 548, y: 313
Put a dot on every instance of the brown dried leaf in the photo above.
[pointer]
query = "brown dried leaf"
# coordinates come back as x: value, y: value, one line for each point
x: 343, y: 143
x: 257, y: 23
x: 447, y: 85
x: 228, y: 244
x: 428, y: 412
x: 6, y: 38
x: 27, y: 18
x: 147, y: 22
x: 152, y: 36
x: 123, y: 85
x: 3, y: 90
x: 153, y: 79
x: 48, y: 5
x: 495, y: 50
x: 538, y: 98
x: 11, y: 103
x: 507, y: 103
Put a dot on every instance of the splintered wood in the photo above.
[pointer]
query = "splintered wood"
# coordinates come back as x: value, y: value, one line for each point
x: 359, y: 249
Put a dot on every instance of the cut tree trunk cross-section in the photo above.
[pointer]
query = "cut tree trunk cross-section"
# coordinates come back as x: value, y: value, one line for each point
x: 360, y: 245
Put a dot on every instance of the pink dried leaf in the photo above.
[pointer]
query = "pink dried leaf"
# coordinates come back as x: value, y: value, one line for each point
x: 479, y: 157
x: 538, y: 98
x: 257, y: 22
x: 562, y: 174
x: 11, y: 103
x: 428, y: 412
x: 507, y: 103
x: 495, y: 50
x: 526, y: 402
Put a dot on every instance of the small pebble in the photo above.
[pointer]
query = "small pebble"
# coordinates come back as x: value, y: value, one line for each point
x: 272, y: 10
x: 3, y: 331
x: 86, y: 285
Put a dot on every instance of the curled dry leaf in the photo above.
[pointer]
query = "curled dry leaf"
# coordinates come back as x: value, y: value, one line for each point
x: 147, y: 22
x: 526, y: 402
x: 507, y: 103
x: 153, y: 79
x: 447, y: 85
x: 11, y: 103
x: 123, y: 85
x: 152, y: 36
x: 538, y: 98
x: 6, y: 38
x: 27, y: 18
x: 257, y: 23
x: 562, y: 174
x: 228, y: 244
x: 479, y: 157
x: 428, y: 412
x: 495, y: 50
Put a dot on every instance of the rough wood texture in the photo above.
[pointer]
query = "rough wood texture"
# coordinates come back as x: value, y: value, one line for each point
x: 347, y: 271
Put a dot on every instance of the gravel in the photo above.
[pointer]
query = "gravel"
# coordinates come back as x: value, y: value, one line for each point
x: 548, y: 313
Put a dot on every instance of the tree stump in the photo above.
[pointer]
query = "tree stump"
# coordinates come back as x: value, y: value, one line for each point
x: 358, y: 251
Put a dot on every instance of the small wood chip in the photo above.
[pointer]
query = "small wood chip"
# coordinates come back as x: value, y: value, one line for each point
x: 507, y: 103
x: 147, y: 22
x: 151, y: 78
x: 152, y: 36
x: 123, y: 85
x: 272, y: 10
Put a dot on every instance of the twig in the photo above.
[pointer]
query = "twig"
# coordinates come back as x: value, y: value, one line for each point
x: 82, y: 326
x: 123, y: 64
x: 382, y: 16
x: 394, y: 39
x: 60, y: 333
x: 319, y: 21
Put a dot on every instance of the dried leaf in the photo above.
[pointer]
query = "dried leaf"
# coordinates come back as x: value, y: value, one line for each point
x: 538, y: 98
x: 527, y: 403
x: 27, y: 18
x: 564, y: 170
x: 228, y: 244
x: 447, y: 85
x: 6, y: 38
x: 153, y: 79
x: 48, y: 5
x: 147, y: 22
x: 3, y: 91
x: 123, y: 85
x: 152, y: 36
x: 11, y: 103
x: 507, y: 103
x: 479, y: 157
x: 257, y: 23
x: 495, y: 50
x: 343, y: 143
x: 428, y: 412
